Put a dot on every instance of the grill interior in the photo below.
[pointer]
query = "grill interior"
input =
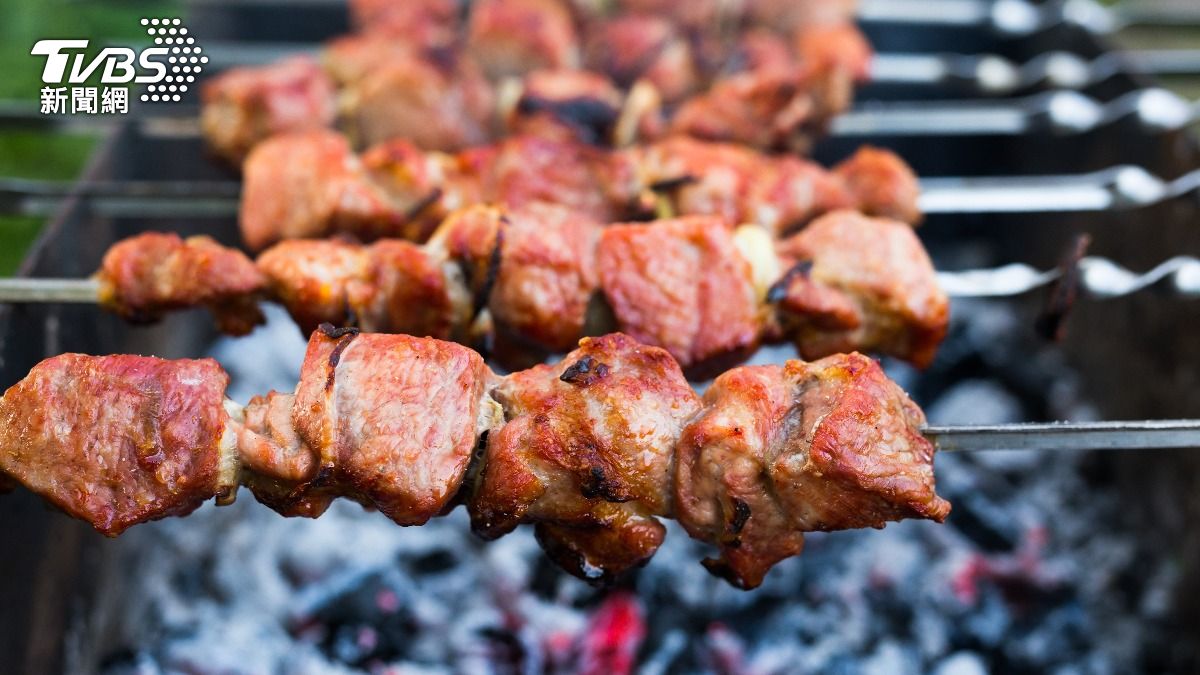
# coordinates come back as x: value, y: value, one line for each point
x: 72, y: 599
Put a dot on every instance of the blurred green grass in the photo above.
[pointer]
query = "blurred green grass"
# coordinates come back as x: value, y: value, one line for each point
x: 43, y: 155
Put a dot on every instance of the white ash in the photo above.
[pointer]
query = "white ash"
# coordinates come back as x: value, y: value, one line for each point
x: 1022, y: 577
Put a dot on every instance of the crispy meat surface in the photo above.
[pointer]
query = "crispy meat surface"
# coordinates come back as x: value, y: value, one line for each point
x: 144, y: 276
x: 427, y: 23
x: 696, y: 15
x: 119, y: 440
x: 882, y: 184
x: 835, y: 45
x: 391, y: 286
x: 860, y: 283
x: 586, y: 454
x: 737, y: 183
x: 535, y: 266
x: 770, y: 109
x: 436, y: 106
x: 635, y: 47
x: 681, y: 284
x: 311, y: 278
x: 567, y: 104
x: 352, y: 58
x: 243, y: 106
x: 525, y: 170
x: 310, y: 184
x: 392, y: 420
x: 512, y: 37
x: 782, y: 450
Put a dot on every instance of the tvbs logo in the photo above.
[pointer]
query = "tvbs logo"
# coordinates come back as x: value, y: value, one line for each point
x: 167, y: 69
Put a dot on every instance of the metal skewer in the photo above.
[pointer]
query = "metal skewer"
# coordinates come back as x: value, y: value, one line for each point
x: 1099, y: 278
x: 1067, y: 436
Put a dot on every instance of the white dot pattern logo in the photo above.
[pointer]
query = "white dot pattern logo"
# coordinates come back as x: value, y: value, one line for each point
x: 170, y: 32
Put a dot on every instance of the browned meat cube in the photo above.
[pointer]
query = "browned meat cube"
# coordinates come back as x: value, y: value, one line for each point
x: 760, y: 49
x: 695, y: 15
x: 586, y: 454
x: 311, y: 278
x: 311, y: 184
x: 789, y: 14
x: 351, y: 58
x: 838, y: 46
x: 769, y: 109
x: 390, y: 286
x: 632, y: 47
x: 436, y: 106
x: 861, y: 283
x: 244, y: 106
x: 144, y: 276
x: 509, y: 38
x: 682, y: 285
x: 426, y: 23
x: 782, y: 450
x: 882, y: 184
x: 425, y: 186
x: 526, y: 170
x: 738, y: 184
x: 277, y: 460
x: 571, y: 105
x: 120, y: 440
x: 536, y: 265
x: 393, y: 420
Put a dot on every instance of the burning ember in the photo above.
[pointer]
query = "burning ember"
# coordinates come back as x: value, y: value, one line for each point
x: 1031, y: 573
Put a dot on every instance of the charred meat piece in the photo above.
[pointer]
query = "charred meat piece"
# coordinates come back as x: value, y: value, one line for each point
x: 769, y: 109
x: 683, y: 285
x: 311, y: 279
x: 860, y: 283
x: 144, y: 276
x: 634, y: 47
x: 244, y: 106
x: 792, y: 14
x: 393, y: 420
x: 351, y: 58
x: 737, y: 183
x: 533, y: 267
x: 586, y: 454
x: 568, y: 105
x: 390, y: 286
x: 882, y: 184
x: 512, y: 37
x: 311, y: 184
x: 838, y: 46
x: 436, y: 106
x: 120, y: 440
x: 696, y: 15
x: 526, y: 170
x: 276, y: 458
x: 427, y: 23
x: 782, y: 450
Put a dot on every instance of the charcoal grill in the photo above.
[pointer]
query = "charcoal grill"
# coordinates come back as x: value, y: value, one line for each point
x: 1134, y: 356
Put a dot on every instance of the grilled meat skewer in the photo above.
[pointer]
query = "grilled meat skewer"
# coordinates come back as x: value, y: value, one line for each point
x: 312, y: 185
x: 543, y: 278
x: 592, y: 451
x: 446, y: 86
